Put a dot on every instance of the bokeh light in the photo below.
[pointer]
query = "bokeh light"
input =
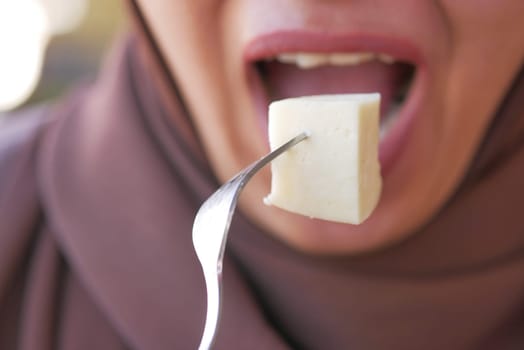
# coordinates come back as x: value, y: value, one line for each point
x: 26, y: 27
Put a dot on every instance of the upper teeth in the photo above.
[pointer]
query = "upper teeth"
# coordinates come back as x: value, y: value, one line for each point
x: 312, y: 60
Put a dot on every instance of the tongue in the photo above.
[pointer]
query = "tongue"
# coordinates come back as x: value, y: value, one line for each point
x: 287, y: 80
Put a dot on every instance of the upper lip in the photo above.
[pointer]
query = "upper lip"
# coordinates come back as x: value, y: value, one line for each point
x: 269, y: 45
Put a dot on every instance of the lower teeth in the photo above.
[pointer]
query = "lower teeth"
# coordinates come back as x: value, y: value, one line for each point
x: 390, y: 118
x: 393, y: 111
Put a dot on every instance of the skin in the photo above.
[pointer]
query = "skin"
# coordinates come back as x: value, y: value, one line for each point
x: 473, y: 49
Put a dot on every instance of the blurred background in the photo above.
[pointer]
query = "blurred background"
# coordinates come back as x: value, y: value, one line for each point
x: 48, y: 45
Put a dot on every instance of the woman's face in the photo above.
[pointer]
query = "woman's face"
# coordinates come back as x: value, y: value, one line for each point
x: 454, y: 59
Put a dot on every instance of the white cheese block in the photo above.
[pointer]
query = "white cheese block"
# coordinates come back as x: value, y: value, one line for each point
x: 335, y: 173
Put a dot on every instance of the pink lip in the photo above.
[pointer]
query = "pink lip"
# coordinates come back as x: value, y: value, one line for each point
x: 271, y: 44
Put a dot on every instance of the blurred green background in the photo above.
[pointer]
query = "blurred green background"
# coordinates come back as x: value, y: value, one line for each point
x: 76, y: 56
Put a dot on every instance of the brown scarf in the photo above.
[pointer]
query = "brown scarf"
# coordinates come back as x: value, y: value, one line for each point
x: 111, y: 264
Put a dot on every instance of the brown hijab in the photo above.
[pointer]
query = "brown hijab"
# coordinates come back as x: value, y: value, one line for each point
x: 96, y: 208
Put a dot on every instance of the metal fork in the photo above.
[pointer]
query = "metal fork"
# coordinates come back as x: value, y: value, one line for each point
x: 210, y: 230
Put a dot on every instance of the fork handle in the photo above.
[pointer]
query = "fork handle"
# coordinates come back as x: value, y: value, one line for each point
x: 213, y: 285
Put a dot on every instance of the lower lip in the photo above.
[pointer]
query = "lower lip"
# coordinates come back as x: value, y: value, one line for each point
x: 391, y: 146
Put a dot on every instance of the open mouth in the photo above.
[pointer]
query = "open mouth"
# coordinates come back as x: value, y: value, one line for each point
x: 306, y: 68
x: 301, y: 74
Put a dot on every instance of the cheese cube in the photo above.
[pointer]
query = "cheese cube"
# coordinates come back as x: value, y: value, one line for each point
x: 335, y: 173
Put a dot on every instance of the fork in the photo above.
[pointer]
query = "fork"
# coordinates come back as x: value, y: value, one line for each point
x: 210, y: 230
